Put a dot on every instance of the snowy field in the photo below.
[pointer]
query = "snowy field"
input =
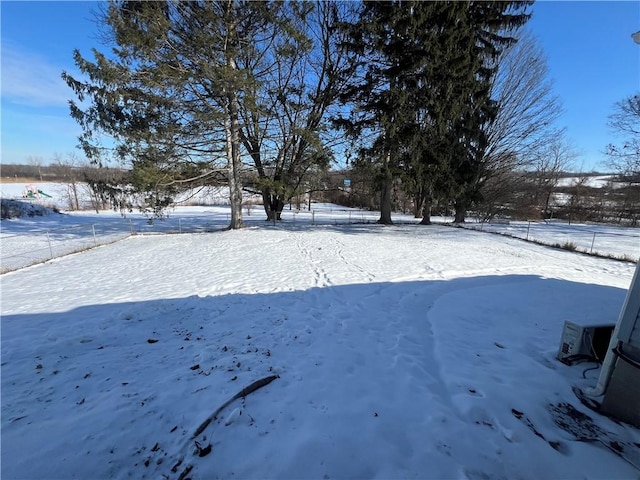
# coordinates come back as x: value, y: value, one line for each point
x: 608, y: 240
x: 30, y: 240
x: 59, y: 195
x: 210, y: 213
x: 380, y: 352
x: 596, y: 181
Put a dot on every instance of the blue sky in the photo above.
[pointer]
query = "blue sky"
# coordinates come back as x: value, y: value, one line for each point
x: 591, y: 56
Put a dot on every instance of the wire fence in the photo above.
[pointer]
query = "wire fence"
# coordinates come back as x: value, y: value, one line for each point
x: 603, y: 240
x: 23, y: 250
x: 332, y: 216
x: 36, y: 244
x: 39, y: 244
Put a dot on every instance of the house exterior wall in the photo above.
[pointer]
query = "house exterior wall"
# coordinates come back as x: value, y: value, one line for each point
x: 622, y: 395
x: 622, y: 399
x: 635, y: 334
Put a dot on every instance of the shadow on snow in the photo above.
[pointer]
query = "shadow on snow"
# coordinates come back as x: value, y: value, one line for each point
x: 134, y: 371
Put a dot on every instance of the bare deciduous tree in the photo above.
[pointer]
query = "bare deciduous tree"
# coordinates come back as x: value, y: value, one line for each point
x: 549, y: 163
x: 36, y: 162
x: 285, y: 132
x: 524, y: 125
x: 624, y: 157
x: 527, y: 106
x: 69, y: 170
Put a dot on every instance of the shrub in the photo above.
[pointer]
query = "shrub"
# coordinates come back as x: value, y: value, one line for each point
x: 568, y: 245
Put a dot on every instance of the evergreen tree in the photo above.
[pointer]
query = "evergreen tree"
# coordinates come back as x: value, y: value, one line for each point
x: 381, y: 102
x: 483, y: 30
x: 425, y: 91
x: 169, y: 95
x: 192, y: 87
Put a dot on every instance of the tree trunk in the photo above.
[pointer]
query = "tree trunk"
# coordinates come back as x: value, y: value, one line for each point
x: 546, y: 204
x: 426, y: 211
x: 385, y: 194
x: 273, y: 204
x: 385, y: 203
x: 461, y: 212
x: 418, y: 205
x: 74, y: 186
x: 232, y: 123
x: 232, y: 128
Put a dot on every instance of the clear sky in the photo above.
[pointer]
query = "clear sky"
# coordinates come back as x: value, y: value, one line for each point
x: 592, y: 60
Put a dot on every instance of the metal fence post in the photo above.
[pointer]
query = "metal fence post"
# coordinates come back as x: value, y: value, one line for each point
x: 49, y: 242
x: 593, y: 241
x: 528, y: 227
x: 313, y: 217
x: 180, y: 225
x: 93, y: 230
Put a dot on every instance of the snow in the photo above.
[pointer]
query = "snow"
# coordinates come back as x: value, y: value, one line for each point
x: 616, y: 241
x: 594, y: 181
x: 58, y: 195
x: 401, y: 352
x: 55, y: 194
x: 26, y: 241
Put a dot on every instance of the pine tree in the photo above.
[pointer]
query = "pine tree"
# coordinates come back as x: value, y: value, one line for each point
x: 425, y: 91
x: 484, y: 30
x: 169, y: 94
x: 194, y: 88
x: 381, y: 101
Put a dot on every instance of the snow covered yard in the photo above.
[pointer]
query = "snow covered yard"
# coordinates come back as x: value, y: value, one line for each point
x: 401, y: 352
x: 28, y: 239
x: 617, y: 241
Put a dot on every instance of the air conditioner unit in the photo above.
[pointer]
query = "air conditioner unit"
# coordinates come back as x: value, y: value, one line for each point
x: 582, y: 342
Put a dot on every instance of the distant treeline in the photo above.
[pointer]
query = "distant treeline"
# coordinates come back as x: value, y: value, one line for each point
x: 525, y: 196
x: 49, y: 173
x: 530, y: 195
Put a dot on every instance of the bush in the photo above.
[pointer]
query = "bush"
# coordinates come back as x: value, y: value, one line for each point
x: 572, y: 247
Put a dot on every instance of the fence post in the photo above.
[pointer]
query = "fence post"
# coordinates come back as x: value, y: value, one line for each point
x: 93, y: 230
x: 593, y: 241
x: 349, y: 217
x: 313, y: 217
x: 131, y: 226
x: 180, y: 225
x: 528, y: 227
x: 49, y: 242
